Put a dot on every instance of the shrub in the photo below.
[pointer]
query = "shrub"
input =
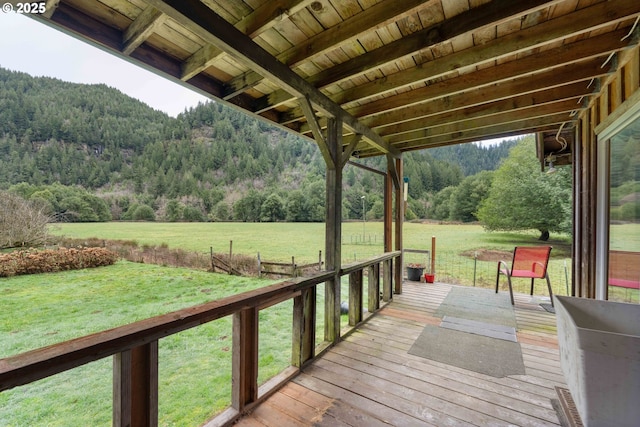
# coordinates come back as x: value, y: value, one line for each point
x: 50, y: 260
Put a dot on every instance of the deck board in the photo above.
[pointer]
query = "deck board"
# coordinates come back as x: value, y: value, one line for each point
x: 370, y: 378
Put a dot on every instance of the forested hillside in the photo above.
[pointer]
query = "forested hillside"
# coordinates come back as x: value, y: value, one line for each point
x: 210, y: 163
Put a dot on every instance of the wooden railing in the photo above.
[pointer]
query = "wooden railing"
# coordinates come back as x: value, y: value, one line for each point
x: 134, y: 347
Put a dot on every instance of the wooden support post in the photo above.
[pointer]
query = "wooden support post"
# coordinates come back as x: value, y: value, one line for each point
x: 387, y: 280
x: 388, y: 212
x: 333, y: 232
x: 399, y: 223
x: 355, y: 297
x: 373, y: 275
x: 244, y: 389
x: 135, y: 386
x: 304, y: 327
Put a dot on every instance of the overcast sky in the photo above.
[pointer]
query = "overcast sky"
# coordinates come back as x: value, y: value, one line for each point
x: 34, y: 48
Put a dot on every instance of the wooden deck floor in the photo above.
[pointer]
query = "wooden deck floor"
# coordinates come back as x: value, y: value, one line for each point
x: 370, y: 379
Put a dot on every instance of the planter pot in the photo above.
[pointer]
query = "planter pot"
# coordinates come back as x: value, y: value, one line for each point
x: 414, y: 273
x: 429, y: 278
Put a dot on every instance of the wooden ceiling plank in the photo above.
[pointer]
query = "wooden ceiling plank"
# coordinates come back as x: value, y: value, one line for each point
x: 546, y: 60
x: 489, y: 14
x: 551, y: 31
x: 572, y: 91
x: 499, y: 131
x: 260, y: 20
x: 141, y: 28
x: 500, y: 117
x: 566, y: 75
x: 496, y: 11
x: 215, y: 30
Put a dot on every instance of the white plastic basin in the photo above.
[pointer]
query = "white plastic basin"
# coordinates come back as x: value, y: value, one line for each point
x: 600, y: 357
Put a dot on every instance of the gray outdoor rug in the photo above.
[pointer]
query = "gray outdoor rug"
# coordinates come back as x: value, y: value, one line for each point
x: 477, y: 333
x: 479, y: 304
x: 491, y: 356
x: 490, y: 330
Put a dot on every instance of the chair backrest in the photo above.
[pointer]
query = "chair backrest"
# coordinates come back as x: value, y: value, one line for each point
x: 531, y: 258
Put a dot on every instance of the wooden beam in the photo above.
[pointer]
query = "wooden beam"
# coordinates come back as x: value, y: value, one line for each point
x: 551, y: 61
x: 377, y: 16
x: 573, y: 24
x: 398, y: 234
x: 573, y: 73
x: 351, y: 143
x: 260, y: 20
x: 312, y: 121
x: 141, y: 28
x: 135, y: 386
x: 491, y: 13
x: 490, y: 132
x: 333, y: 233
x: 244, y: 378
x: 498, y: 118
x: 213, y: 29
x: 491, y: 108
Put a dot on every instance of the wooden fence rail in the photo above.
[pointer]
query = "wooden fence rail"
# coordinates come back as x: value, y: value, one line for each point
x: 134, y: 347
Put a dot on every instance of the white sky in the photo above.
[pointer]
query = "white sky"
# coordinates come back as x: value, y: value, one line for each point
x: 36, y: 49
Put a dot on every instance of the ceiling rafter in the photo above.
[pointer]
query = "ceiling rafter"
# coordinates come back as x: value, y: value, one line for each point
x: 141, y: 28
x: 488, y: 14
x: 554, y: 58
x: 550, y: 31
x: 378, y: 15
x: 209, y: 26
x: 260, y: 20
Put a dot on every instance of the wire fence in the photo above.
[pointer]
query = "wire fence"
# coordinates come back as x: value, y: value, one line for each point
x: 466, y: 271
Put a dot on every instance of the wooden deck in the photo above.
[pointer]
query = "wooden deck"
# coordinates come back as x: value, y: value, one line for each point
x: 370, y: 379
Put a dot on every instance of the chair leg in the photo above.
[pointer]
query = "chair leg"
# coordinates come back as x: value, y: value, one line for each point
x: 549, y: 286
x: 498, y: 278
x: 510, y: 290
x: 531, y: 293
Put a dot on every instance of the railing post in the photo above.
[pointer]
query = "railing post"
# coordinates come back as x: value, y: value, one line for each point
x: 135, y: 387
x: 373, y: 275
x: 245, y: 358
x: 387, y: 280
x: 355, y: 297
x: 304, y: 327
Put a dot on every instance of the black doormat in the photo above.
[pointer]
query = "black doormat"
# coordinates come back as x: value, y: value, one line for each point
x: 495, y: 357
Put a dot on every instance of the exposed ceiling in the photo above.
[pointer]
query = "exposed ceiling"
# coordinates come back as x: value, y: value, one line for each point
x: 399, y: 75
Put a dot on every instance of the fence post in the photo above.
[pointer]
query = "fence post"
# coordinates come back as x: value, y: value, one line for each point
x: 259, y: 266
x: 230, y: 256
x: 475, y: 264
x: 293, y: 267
x: 213, y: 264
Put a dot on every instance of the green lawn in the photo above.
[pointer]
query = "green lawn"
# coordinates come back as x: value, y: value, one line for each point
x: 44, y: 309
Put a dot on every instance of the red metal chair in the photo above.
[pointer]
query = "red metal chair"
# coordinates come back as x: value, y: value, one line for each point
x: 528, y: 261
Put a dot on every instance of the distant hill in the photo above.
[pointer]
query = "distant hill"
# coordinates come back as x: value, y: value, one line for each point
x: 211, y: 162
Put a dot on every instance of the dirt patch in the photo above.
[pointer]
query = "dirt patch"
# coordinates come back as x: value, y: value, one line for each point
x: 488, y: 254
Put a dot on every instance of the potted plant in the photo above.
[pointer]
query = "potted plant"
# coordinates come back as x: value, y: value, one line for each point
x: 414, y: 271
